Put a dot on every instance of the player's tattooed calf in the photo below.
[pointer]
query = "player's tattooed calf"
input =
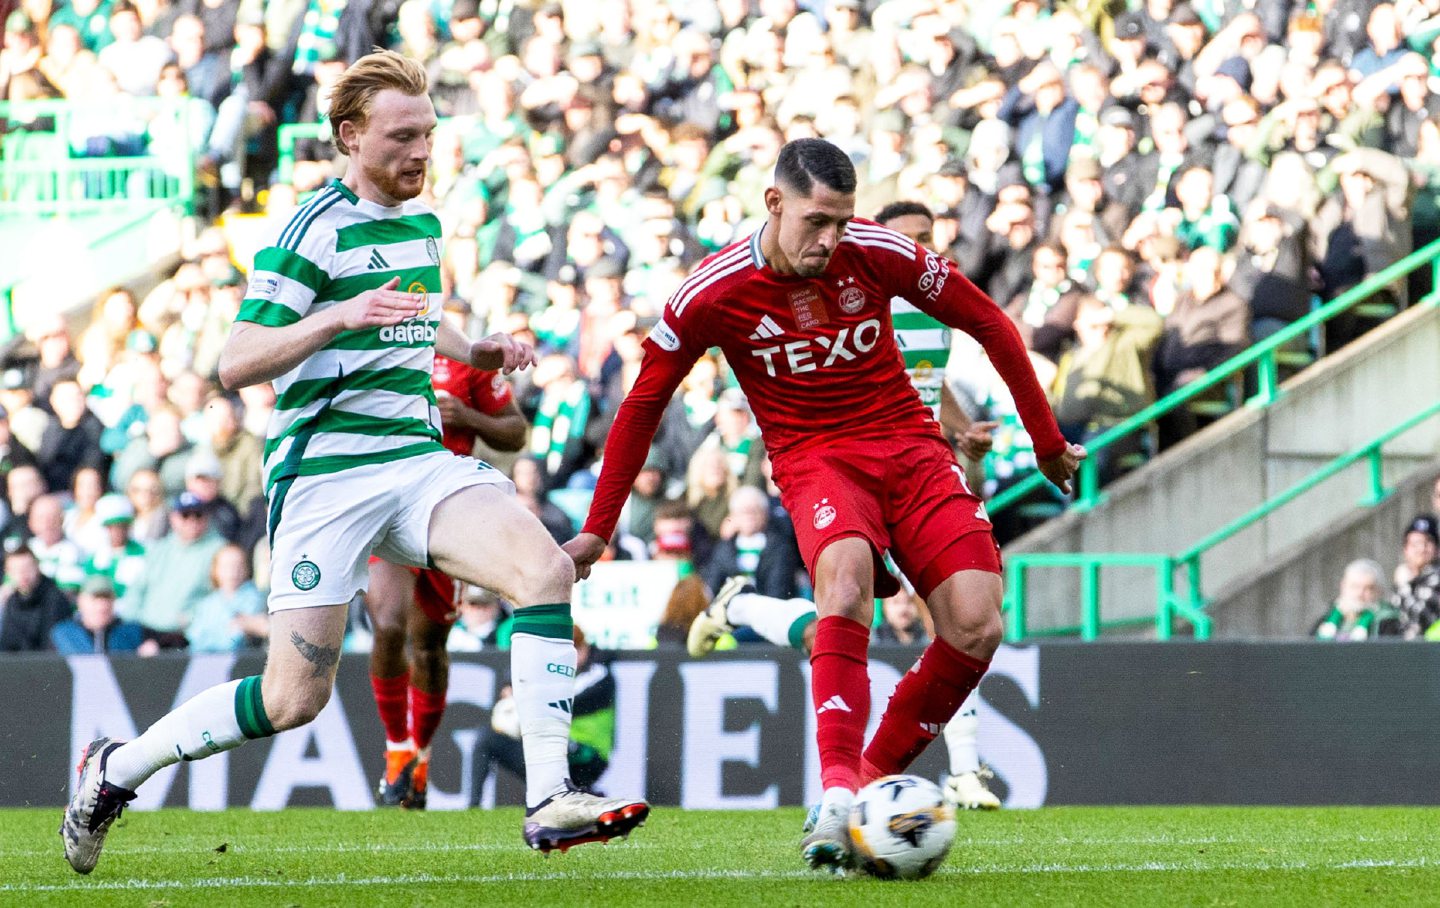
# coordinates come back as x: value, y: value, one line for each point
x: 323, y: 657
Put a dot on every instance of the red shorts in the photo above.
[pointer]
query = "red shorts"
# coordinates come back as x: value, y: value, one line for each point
x: 901, y: 493
x: 437, y: 594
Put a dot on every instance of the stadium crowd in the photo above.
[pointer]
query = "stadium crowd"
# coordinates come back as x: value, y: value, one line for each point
x: 1146, y: 191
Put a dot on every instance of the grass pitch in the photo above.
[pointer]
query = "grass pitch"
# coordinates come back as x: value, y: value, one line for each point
x: 1058, y: 856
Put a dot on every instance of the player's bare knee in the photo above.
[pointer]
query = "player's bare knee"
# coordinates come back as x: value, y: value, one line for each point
x: 846, y: 598
x: 388, y: 632
x: 293, y: 705
x: 976, y: 633
x: 545, y: 578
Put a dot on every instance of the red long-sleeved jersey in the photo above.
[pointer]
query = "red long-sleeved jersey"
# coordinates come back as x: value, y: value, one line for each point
x: 816, y: 357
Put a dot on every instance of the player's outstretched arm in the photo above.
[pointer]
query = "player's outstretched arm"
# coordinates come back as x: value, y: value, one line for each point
x: 256, y: 353
x: 496, y: 353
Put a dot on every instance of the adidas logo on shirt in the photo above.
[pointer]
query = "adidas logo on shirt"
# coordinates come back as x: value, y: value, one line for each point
x: 766, y: 329
x: 377, y: 261
x: 835, y: 702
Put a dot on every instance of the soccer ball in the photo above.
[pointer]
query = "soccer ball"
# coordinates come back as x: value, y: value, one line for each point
x: 901, y: 828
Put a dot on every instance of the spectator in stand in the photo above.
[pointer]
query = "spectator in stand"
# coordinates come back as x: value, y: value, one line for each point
x: 119, y: 559
x: 90, y: 18
x: 132, y: 57
x: 478, y: 627
x: 146, y: 495
x: 1361, y: 229
x: 203, y: 475
x: 30, y: 603
x: 1417, y: 553
x: 238, y: 452
x: 102, y: 344
x: 557, y: 436
x: 82, y: 523
x: 60, y: 558
x: 56, y: 357
x: 233, y: 612
x: 23, y: 485
x: 736, y: 434
x: 708, y: 484
x: 177, y: 571
x: 72, y: 440
x: 749, y: 547
x: 1210, y: 324
x: 1203, y: 217
x: 902, y: 620
x: 637, y: 518
x: 96, y: 628
x: 1105, y: 378
x: 1045, y: 313
x: 1272, y: 271
x: 28, y: 421
x: 1043, y: 117
x: 163, y: 450
x: 12, y: 453
x: 1386, y: 43
x: 1354, y: 613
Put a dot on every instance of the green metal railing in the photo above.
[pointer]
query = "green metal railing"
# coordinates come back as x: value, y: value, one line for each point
x: 44, y: 172
x: 1172, y: 604
x: 1264, y: 356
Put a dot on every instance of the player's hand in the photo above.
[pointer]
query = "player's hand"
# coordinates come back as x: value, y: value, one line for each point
x: 382, y: 306
x: 584, y: 550
x: 976, y: 442
x: 502, y: 353
x: 453, y: 413
x: 1061, y: 468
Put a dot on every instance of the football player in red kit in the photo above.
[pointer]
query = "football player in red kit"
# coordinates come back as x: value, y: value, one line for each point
x: 410, y: 687
x: 801, y: 310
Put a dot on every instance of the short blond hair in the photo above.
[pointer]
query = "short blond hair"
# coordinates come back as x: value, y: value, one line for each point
x: 355, y: 90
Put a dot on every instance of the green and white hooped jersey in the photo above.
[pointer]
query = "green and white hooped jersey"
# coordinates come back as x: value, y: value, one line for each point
x: 925, y: 343
x: 366, y: 396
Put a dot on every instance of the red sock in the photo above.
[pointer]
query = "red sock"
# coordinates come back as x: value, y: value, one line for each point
x: 925, y: 699
x: 394, y: 711
x: 425, y: 712
x: 840, y: 687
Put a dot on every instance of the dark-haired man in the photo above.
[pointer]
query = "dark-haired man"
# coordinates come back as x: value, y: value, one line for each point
x: 925, y: 344
x: 801, y: 310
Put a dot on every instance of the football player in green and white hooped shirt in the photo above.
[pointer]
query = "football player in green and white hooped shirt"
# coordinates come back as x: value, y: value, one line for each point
x: 343, y: 315
x: 925, y: 344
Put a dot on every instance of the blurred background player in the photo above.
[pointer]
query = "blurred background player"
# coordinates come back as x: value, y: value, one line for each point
x: 925, y: 343
x: 801, y: 311
x: 410, y: 683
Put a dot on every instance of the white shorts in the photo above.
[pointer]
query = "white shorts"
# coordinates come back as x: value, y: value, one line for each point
x: 326, y: 527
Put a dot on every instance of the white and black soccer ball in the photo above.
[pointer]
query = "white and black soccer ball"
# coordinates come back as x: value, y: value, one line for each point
x: 901, y: 828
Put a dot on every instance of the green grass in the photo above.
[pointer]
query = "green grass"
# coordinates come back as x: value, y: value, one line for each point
x: 1058, y: 856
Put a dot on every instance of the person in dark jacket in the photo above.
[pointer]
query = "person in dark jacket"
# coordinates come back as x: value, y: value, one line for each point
x: 31, y: 607
x: 753, y: 548
x: 96, y: 628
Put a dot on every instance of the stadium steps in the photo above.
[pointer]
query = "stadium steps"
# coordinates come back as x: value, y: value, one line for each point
x: 1257, y: 579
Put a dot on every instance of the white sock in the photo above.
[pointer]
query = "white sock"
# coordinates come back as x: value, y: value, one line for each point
x: 542, y: 672
x: 836, y: 799
x: 961, y: 736
x: 781, y: 621
x: 204, y: 725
